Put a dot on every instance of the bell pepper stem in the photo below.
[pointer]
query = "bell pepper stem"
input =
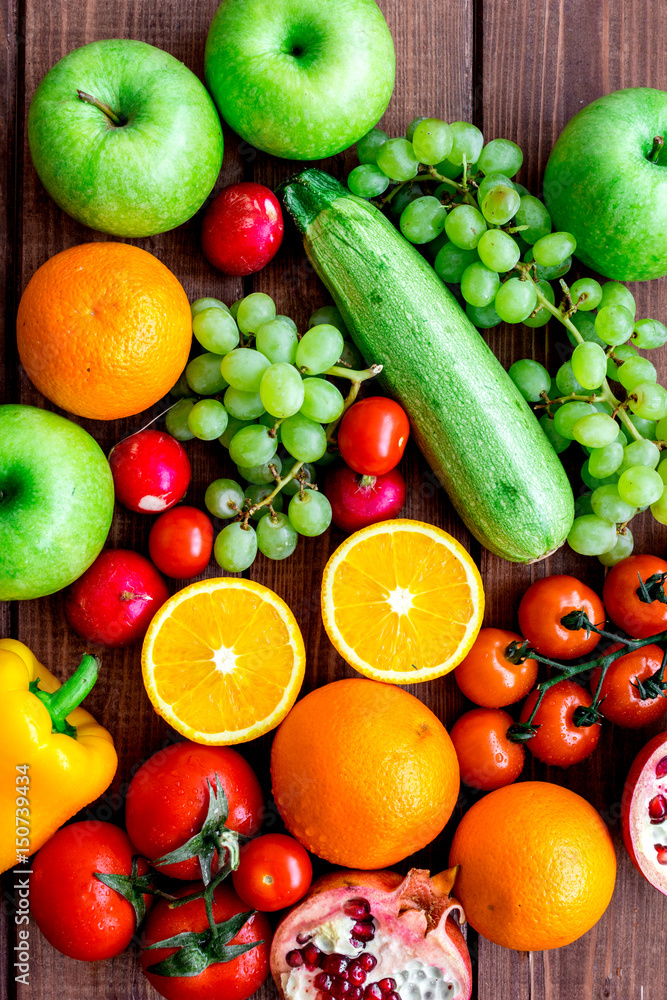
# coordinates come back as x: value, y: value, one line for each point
x: 70, y: 695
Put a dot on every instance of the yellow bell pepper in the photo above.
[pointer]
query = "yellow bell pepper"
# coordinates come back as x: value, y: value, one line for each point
x: 54, y: 757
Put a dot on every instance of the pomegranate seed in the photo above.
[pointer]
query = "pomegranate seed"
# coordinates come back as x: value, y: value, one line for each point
x: 356, y: 993
x: 657, y: 808
x: 661, y: 768
x: 367, y: 961
x: 294, y: 959
x: 364, y: 930
x: 373, y: 992
x: 336, y: 965
x: 387, y: 985
x: 312, y: 955
x: 303, y: 938
x: 323, y: 981
x: 356, y: 973
x: 357, y: 908
x: 340, y: 988
x: 662, y: 854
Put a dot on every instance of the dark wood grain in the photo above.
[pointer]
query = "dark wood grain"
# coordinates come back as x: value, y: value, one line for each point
x: 520, y: 70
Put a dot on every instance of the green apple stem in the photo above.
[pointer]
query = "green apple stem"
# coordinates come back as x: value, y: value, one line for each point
x: 658, y: 143
x: 114, y: 118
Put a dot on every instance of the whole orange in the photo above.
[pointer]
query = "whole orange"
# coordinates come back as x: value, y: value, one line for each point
x: 104, y: 330
x: 537, y: 866
x: 363, y: 773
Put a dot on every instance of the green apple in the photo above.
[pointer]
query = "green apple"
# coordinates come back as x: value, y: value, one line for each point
x: 56, y: 501
x: 302, y: 79
x: 125, y: 138
x: 606, y: 183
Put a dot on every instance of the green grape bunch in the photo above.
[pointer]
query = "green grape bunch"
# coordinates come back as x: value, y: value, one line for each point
x: 265, y: 393
x: 491, y: 242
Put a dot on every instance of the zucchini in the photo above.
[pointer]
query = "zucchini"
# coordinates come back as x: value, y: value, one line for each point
x: 475, y: 429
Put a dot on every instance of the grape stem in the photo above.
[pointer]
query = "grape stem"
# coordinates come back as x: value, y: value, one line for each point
x: 356, y: 378
x: 270, y: 497
x: 461, y: 189
x: 568, y: 399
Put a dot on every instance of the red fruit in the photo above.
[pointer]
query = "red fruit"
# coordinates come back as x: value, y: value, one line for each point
x: 357, y: 501
x: 621, y: 700
x: 559, y: 740
x: 623, y: 597
x: 545, y: 604
x: 644, y: 812
x: 151, y: 471
x: 372, y: 435
x: 413, y: 917
x: 114, y: 601
x: 242, y: 228
x: 181, y: 542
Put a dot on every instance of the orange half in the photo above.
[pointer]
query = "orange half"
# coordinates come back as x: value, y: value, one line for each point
x: 223, y: 661
x: 402, y: 601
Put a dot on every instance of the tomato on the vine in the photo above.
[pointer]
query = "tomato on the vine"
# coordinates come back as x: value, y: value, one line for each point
x: 487, y: 757
x: 181, y: 542
x: 487, y: 677
x: 543, y: 606
x: 76, y: 912
x: 621, y: 697
x: 372, y: 435
x: 275, y: 871
x: 227, y: 975
x: 559, y: 740
x: 622, y: 595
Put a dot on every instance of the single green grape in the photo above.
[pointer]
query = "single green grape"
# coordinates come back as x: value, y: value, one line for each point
x: 659, y: 508
x: 531, y: 379
x: 181, y: 388
x: 641, y: 453
x: 432, y: 140
x: 433, y: 247
x: 423, y: 219
x: 593, y: 482
x: 303, y: 438
x: 322, y: 401
x: 367, y: 147
x: 233, y: 425
x: 410, y: 131
x: 208, y: 419
x: 310, y: 512
x: 307, y: 472
x: 648, y: 400
x: 566, y: 382
x: 243, y: 368
x: 501, y: 155
x: 452, y: 261
x: 491, y: 181
x: 498, y: 251
x: 206, y: 303
x: 329, y: 315
x: 277, y: 340
x: 204, y: 375
x: 589, y: 365
x: 224, y: 498
x: 216, y: 330
x: 234, y: 308
x: 649, y: 333
x: 621, y: 550
x: 558, y: 442
x: 251, y: 446
x: 402, y: 197
x: 254, y: 310
x: 176, y: 420
x: 542, y: 315
x: 261, y: 474
x: 276, y: 537
x: 640, y: 486
x: 479, y: 284
x: 367, y: 181
x: 552, y: 250
x: 636, y: 370
x: 282, y: 390
x: 620, y: 353
x: 255, y: 493
x: 396, y: 158
x: 582, y: 504
x: 586, y: 294
x: 591, y: 535
x: 464, y: 226
x: 533, y: 214
x: 515, y: 300
x: 235, y: 547
x: 484, y: 317
x: 608, y: 504
x: 595, y: 430
x: 566, y: 417
x: 243, y: 405
x: 603, y: 462
x: 614, y: 324
x: 319, y: 349
x: 500, y: 205
x: 467, y: 141
x: 661, y: 430
x: 616, y: 294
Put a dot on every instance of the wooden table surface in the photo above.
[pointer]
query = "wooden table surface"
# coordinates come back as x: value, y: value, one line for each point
x: 518, y: 70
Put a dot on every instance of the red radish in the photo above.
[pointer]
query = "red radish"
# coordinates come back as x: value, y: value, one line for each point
x: 114, y: 601
x: 242, y: 228
x: 151, y: 471
x: 644, y: 812
x: 357, y: 501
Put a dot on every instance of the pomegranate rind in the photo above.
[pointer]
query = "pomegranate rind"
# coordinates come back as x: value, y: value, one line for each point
x: 426, y: 919
x: 640, y: 786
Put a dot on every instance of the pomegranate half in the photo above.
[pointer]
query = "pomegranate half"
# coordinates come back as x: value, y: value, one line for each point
x: 644, y: 812
x: 362, y: 935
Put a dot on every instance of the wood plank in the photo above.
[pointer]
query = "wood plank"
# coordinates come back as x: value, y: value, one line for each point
x: 536, y: 74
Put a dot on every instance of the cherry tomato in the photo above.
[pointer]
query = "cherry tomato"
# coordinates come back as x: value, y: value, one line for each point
x: 621, y: 597
x: 237, y: 979
x: 488, y: 678
x: 622, y: 703
x: 558, y: 740
x: 372, y: 436
x: 181, y: 542
x: 76, y: 913
x: 242, y: 228
x: 487, y: 757
x: 168, y: 800
x: 274, y: 872
x: 545, y: 603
